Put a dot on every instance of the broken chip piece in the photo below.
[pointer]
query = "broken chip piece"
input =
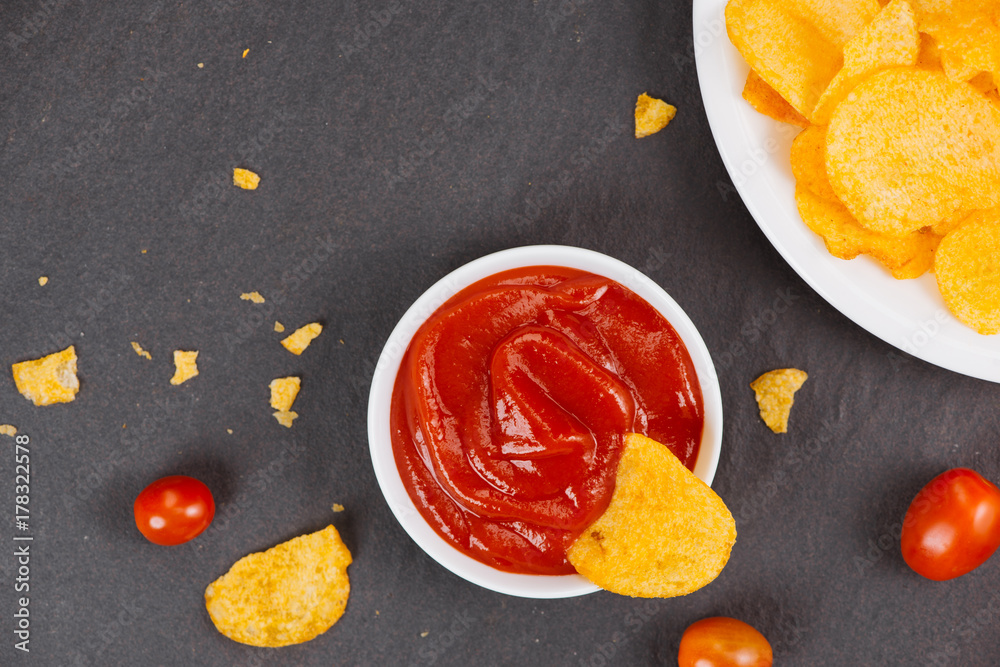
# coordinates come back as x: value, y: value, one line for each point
x: 665, y: 532
x: 768, y: 101
x: 651, y: 115
x: 284, y: 391
x: 43, y: 280
x: 337, y: 507
x: 286, y: 595
x: 278, y: 326
x: 245, y: 179
x: 141, y: 352
x: 7, y: 429
x: 252, y: 296
x: 775, y: 392
x: 297, y: 342
x: 186, y: 366
x: 286, y: 417
x: 51, y: 379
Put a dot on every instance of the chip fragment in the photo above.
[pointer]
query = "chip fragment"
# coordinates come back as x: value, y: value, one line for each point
x: 245, y: 179
x: 43, y: 280
x: 252, y: 296
x: 297, y: 342
x: 141, y: 352
x: 286, y: 595
x: 967, y: 267
x: 286, y: 417
x: 651, y: 115
x: 185, y: 366
x: 283, y: 392
x: 665, y: 532
x: 775, y: 392
x: 7, y: 429
x: 768, y: 101
x: 51, y: 379
x: 278, y: 326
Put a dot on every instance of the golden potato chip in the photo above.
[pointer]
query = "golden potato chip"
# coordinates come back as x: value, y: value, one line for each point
x: 286, y: 595
x: 286, y: 417
x: 967, y: 267
x: 297, y: 342
x: 51, y: 379
x: 185, y: 366
x: 651, y: 115
x: 284, y: 391
x: 910, y: 147
x: 967, y: 27
x: 278, y: 326
x: 953, y: 221
x: 252, y: 296
x: 7, y: 429
x: 43, y: 280
x: 890, y: 40
x: 665, y: 532
x: 796, y: 46
x: 141, y: 352
x: 808, y: 158
x: 767, y: 101
x: 245, y: 179
x: 775, y: 391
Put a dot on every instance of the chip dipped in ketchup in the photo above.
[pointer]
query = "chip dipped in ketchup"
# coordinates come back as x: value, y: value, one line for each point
x: 511, y: 405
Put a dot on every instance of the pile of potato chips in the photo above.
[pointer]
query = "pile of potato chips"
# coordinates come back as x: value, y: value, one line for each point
x: 900, y: 156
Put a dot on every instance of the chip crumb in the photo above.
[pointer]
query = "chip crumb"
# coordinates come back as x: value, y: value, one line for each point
x: 286, y: 417
x: 7, y: 429
x: 651, y: 115
x: 252, y: 296
x: 186, y: 366
x: 337, y: 507
x: 229, y: 431
x: 283, y: 392
x: 51, y: 379
x: 286, y: 595
x: 424, y: 633
x: 245, y: 52
x: 143, y: 251
x: 775, y: 392
x: 201, y: 65
x: 141, y: 352
x: 43, y: 280
x: 245, y: 179
x: 299, y: 341
x: 278, y: 326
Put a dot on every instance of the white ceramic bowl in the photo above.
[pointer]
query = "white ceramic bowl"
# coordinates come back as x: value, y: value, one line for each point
x: 380, y: 400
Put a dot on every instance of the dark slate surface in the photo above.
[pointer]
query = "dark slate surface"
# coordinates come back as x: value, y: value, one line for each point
x: 454, y: 130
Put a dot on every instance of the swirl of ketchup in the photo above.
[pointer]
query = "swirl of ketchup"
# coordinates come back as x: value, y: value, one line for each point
x: 511, y: 405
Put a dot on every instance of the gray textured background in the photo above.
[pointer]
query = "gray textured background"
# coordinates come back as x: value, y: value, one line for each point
x: 455, y: 130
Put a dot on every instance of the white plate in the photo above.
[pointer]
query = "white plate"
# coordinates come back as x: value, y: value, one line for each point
x: 380, y: 400
x: 909, y: 314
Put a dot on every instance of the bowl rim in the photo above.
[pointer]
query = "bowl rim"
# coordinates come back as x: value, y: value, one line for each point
x: 383, y: 380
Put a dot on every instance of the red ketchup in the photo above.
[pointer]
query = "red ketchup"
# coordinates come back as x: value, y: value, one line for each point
x: 512, y: 402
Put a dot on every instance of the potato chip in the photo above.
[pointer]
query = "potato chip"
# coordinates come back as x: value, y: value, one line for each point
x: 651, y: 115
x: 278, y: 326
x: 907, y: 256
x: 43, y: 280
x: 286, y: 595
x: 245, y: 179
x: 252, y: 296
x: 141, y: 352
x: 910, y: 147
x: 297, y: 342
x: 7, y: 429
x: 967, y: 27
x: 767, y: 101
x: 967, y: 267
x: 185, y: 366
x: 890, y: 40
x: 284, y: 391
x: 665, y: 532
x: 51, y: 379
x: 953, y: 221
x: 796, y: 46
x: 775, y: 391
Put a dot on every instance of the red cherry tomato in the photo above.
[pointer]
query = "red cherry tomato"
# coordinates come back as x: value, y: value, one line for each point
x: 174, y: 510
x: 952, y: 525
x: 723, y: 642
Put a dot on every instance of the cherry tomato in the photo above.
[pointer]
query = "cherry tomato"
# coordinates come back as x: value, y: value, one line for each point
x: 723, y: 642
x: 952, y: 526
x: 174, y: 510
